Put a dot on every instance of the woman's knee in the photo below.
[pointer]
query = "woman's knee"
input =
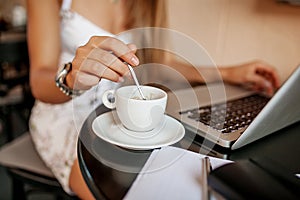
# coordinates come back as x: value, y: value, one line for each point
x: 77, y: 183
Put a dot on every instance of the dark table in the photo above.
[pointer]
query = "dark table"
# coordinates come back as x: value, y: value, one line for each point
x: 110, y: 170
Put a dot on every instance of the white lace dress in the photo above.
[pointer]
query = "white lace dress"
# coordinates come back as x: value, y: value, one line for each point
x: 55, y: 127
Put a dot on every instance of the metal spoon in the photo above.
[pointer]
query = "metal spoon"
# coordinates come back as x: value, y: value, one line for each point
x: 136, y: 81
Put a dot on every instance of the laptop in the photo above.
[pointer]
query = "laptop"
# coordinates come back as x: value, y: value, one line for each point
x: 231, y: 116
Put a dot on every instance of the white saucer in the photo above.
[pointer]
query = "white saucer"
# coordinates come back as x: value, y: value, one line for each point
x: 108, y: 127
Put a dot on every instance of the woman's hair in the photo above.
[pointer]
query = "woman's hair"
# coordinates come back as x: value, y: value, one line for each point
x: 148, y: 13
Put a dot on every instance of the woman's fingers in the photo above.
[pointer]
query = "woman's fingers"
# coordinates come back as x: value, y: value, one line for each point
x: 120, y: 49
x: 107, y: 59
x: 91, y: 73
x: 96, y: 68
x: 262, y: 77
x: 102, y: 57
x: 261, y: 84
x: 270, y: 74
x: 132, y: 47
x: 257, y: 75
x: 84, y: 81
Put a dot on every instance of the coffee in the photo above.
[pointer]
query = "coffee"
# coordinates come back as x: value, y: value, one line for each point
x: 150, y: 96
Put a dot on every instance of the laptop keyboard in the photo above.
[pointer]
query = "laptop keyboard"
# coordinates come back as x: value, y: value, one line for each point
x: 231, y: 116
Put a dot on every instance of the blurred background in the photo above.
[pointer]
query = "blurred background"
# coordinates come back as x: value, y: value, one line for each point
x: 12, y: 13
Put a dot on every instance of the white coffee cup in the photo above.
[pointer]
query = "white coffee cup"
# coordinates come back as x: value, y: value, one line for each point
x: 135, y: 113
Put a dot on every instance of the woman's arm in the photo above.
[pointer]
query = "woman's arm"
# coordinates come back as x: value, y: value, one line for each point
x: 101, y: 57
x: 44, y: 49
x: 256, y: 75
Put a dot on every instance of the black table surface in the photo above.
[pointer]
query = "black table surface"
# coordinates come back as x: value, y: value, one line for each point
x: 110, y: 170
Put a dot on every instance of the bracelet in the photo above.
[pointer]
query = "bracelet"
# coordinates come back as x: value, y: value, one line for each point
x: 60, y: 81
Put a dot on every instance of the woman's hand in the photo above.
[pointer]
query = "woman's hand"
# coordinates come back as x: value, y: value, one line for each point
x: 101, y: 57
x: 257, y: 75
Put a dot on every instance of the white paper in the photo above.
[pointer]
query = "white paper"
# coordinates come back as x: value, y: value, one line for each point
x: 171, y: 173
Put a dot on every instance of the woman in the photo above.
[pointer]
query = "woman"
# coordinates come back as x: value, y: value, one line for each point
x: 82, y: 32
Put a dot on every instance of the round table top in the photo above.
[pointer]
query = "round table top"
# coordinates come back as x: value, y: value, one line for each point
x: 110, y: 170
